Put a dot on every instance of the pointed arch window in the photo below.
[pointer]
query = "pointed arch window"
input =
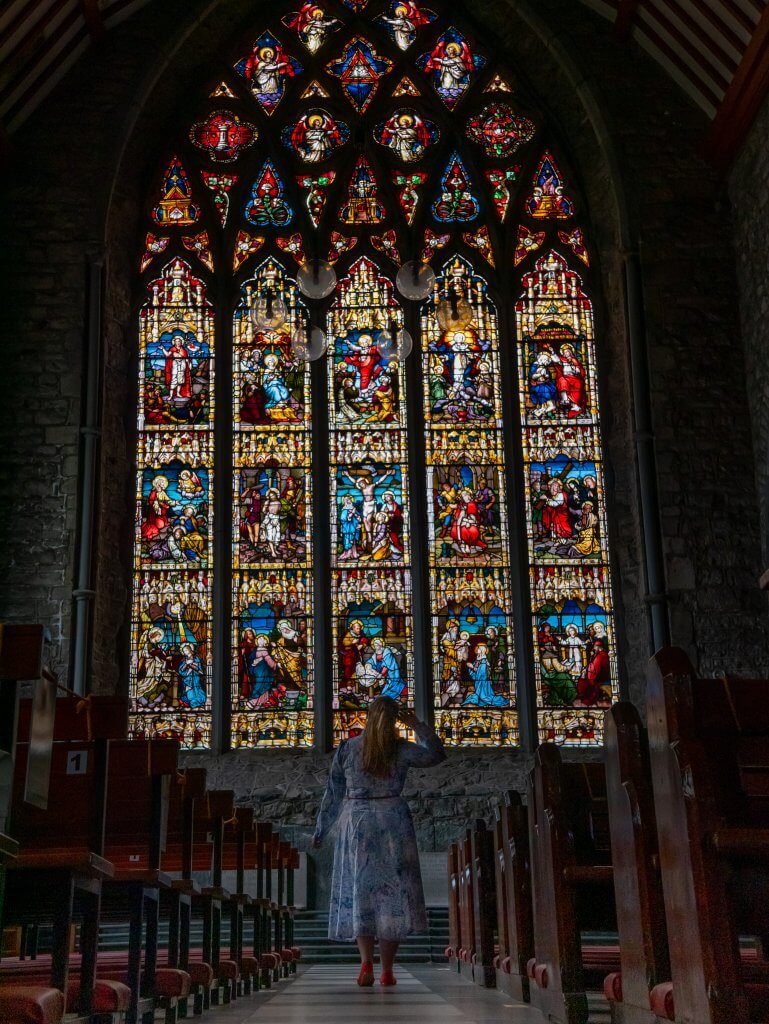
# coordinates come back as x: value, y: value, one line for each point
x: 311, y: 533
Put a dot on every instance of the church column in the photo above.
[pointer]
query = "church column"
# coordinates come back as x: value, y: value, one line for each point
x: 83, y: 593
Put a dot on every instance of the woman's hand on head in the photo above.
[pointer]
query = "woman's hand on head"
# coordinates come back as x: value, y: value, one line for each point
x: 408, y: 717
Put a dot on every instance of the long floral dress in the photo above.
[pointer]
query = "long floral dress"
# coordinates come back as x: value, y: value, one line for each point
x: 376, y: 886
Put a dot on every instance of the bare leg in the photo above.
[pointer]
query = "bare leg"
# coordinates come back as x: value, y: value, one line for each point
x: 387, y: 952
x: 366, y: 948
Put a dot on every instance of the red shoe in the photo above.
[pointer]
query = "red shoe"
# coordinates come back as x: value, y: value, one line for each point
x: 388, y: 978
x: 366, y: 976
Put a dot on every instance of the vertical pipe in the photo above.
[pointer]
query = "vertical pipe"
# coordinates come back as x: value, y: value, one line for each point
x: 655, y: 598
x: 83, y: 593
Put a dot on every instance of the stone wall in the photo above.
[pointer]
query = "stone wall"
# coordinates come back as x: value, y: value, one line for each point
x: 81, y: 169
x: 749, y: 191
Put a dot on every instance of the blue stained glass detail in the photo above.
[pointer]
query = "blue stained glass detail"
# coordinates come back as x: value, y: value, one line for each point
x: 456, y: 202
x: 451, y: 66
x: 359, y: 69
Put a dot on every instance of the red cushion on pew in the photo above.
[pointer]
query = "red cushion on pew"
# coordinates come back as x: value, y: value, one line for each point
x: 530, y: 965
x: 200, y: 973
x: 661, y: 1000
x: 31, y: 1004
x: 249, y: 966
x: 109, y: 996
x: 297, y: 953
x: 227, y: 969
x: 448, y: 952
x: 506, y: 965
x: 269, y: 961
x: 171, y: 983
x: 612, y: 987
x: 541, y: 976
x: 287, y: 956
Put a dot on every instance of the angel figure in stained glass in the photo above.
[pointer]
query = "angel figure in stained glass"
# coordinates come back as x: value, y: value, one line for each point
x: 406, y: 134
x: 311, y: 25
x: 451, y: 64
x: 266, y: 69
x: 315, y: 136
x: 403, y: 21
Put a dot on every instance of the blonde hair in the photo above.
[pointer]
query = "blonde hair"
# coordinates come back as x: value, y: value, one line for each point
x: 380, y: 737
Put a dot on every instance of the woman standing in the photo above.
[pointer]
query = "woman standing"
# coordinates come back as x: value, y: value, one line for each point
x: 376, y: 887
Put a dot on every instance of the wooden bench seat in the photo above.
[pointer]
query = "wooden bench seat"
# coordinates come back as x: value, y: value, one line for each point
x: 515, y: 926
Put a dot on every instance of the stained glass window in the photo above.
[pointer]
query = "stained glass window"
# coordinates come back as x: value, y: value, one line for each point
x: 383, y: 555
x: 470, y: 590
x: 170, y: 680
x: 370, y: 523
x: 574, y: 639
x: 272, y: 668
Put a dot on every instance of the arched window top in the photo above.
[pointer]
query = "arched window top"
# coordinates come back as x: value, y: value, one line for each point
x: 378, y: 523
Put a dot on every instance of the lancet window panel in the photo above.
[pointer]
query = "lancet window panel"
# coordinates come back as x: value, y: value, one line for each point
x: 170, y: 669
x: 468, y: 534
x: 574, y: 626
x: 272, y: 680
x: 371, y: 589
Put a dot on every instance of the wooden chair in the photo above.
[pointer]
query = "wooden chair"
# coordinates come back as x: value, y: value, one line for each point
x: 572, y: 884
x: 515, y: 925
x: 644, y: 958
x: 709, y: 749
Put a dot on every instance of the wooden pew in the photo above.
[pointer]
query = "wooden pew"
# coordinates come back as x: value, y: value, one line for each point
x: 291, y: 867
x: 216, y: 807
x: 57, y: 877
x: 139, y: 773
x: 239, y: 855
x: 269, y: 956
x: 644, y: 958
x: 94, y: 717
x: 515, y: 925
x: 466, y: 905
x: 182, y: 855
x: 286, y: 911
x: 455, y: 937
x: 572, y: 884
x: 709, y: 749
x: 484, y: 904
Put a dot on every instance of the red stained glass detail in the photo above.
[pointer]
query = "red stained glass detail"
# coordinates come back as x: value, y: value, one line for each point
x: 317, y: 192
x: 220, y: 184
x: 294, y: 246
x: 266, y: 69
x: 362, y: 206
x: 387, y: 244
x: 176, y: 205
x: 433, y: 242
x: 408, y: 186
x: 456, y: 201
x: 223, y: 136
x: 479, y: 239
x: 528, y: 242
x: 267, y: 205
x: 315, y: 136
x: 245, y: 245
x: 499, y: 130
x: 576, y: 242
x: 201, y: 246
x: 153, y: 246
x: 548, y: 198
x: 500, y: 182
x: 340, y: 244
x: 451, y: 65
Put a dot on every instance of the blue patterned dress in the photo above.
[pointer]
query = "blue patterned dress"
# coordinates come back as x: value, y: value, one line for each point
x: 376, y: 886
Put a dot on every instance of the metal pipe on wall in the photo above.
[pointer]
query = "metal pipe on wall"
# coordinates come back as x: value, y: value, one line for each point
x: 83, y: 593
x: 656, y: 598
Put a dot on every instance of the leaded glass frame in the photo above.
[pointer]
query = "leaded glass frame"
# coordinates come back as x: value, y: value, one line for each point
x: 342, y: 525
